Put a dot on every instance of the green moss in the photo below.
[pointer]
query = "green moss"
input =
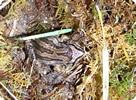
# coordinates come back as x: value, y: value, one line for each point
x: 131, y: 36
x: 120, y: 78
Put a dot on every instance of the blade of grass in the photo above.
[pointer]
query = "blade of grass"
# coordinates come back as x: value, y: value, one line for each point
x: 123, y: 47
x: 105, y: 72
x: 8, y: 91
x: 54, y: 33
x: 105, y: 57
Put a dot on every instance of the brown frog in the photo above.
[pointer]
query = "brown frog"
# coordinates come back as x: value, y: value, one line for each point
x: 52, y: 51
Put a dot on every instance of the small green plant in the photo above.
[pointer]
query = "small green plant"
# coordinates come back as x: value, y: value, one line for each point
x: 120, y: 78
x: 130, y: 37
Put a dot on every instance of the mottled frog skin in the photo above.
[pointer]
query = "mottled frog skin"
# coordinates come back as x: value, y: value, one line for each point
x: 51, y: 51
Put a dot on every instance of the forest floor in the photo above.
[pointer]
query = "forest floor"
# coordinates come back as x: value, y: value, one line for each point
x: 105, y: 31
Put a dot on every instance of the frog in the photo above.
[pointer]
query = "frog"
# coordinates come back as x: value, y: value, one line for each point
x: 54, y: 59
x: 51, y: 51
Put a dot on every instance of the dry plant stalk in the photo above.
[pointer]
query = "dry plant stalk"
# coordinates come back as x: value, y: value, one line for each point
x: 105, y: 61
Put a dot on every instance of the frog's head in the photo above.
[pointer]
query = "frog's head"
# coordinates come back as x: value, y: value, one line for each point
x: 77, y: 53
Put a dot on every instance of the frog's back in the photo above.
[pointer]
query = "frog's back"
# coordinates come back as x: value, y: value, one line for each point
x: 50, y: 51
